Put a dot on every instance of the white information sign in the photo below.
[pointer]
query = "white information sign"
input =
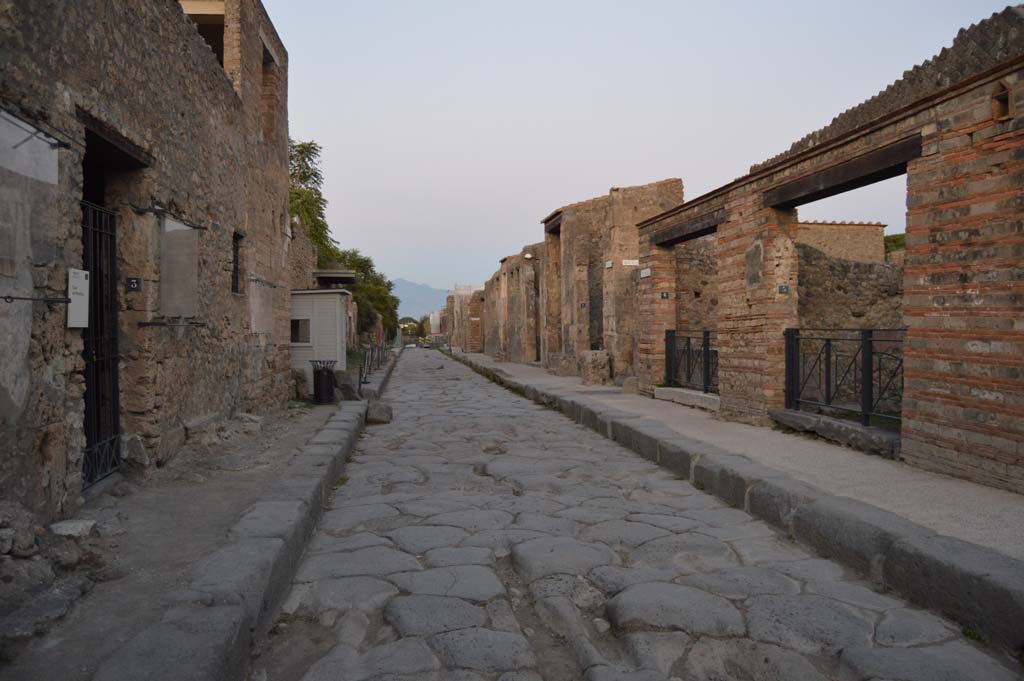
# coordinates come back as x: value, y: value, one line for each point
x: 78, y: 292
x: 645, y: 272
x: 607, y: 264
x: 631, y: 263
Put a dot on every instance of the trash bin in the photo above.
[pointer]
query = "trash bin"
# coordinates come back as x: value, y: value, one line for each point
x: 323, y: 380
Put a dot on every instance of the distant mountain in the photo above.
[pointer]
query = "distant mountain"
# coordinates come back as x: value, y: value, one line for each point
x: 417, y: 299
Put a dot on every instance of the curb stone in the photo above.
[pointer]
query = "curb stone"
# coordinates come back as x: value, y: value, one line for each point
x: 976, y: 586
x: 235, y: 593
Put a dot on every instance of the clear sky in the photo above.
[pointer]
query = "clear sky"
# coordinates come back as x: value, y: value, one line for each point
x: 451, y: 128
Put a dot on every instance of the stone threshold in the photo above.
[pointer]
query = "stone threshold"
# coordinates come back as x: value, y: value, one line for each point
x: 978, y: 587
x: 233, y: 596
x: 688, y: 398
x: 867, y: 439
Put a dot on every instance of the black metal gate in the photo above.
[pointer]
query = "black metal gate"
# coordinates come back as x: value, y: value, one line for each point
x: 102, y: 400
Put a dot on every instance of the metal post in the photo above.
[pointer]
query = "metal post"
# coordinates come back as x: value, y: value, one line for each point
x: 792, y: 381
x: 670, y: 356
x: 828, y: 371
x: 867, y: 362
x: 705, y: 359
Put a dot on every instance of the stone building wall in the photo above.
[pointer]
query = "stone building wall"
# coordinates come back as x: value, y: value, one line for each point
x: 838, y: 293
x: 467, y: 309
x: 491, y: 321
x: 301, y: 258
x: 588, y: 287
x: 696, y: 285
x: 954, y: 126
x: 158, y: 131
x: 511, y: 309
x: 860, y: 241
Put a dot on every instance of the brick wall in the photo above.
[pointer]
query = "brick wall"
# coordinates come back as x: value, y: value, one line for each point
x: 964, y: 352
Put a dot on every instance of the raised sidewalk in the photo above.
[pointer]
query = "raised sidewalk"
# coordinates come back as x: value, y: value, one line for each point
x: 948, y: 544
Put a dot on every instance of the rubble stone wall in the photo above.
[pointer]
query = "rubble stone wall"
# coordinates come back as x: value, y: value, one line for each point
x: 213, y: 145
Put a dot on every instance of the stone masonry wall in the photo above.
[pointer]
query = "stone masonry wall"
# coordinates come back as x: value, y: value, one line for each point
x: 512, y: 305
x: 696, y: 285
x: 835, y: 293
x: 860, y: 241
x: 212, y: 146
x: 964, y: 348
x: 594, y: 304
x: 301, y: 258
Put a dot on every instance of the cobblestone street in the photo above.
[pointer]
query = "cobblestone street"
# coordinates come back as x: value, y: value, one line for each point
x: 480, y: 536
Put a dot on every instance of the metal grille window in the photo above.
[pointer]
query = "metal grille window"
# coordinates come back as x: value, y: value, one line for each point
x: 236, y: 264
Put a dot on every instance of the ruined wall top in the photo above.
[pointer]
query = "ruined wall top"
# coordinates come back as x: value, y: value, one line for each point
x: 975, y: 50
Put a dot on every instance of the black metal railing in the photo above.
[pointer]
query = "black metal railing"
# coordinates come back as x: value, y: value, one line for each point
x: 691, y: 360
x: 855, y: 371
x: 374, y: 357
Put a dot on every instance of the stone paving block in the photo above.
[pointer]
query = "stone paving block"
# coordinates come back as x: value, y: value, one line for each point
x: 474, y: 520
x: 609, y: 673
x: 350, y: 517
x: 853, y: 593
x: 562, y: 618
x: 346, y: 593
x: 545, y: 523
x: 612, y: 579
x: 190, y: 644
x: 424, y: 615
x: 767, y: 550
x: 374, y: 560
x: 743, y: 659
x: 807, y: 623
x: 718, y: 517
x: 954, y: 661
x: 978, y: 587
x: 469, y: 555
x: 419, y: 539
x: 904, y: 628
x: 674, y: 606
x: 553, y: 555
x: 622, y: 533
x: 327, y: 543
x: 657, y: 650
x: 743, y: 582
x: 500, y: 616
x: 688, y: 552
x: 407, y: 656
x: 473, y: 582
x: 672, y: 523
x: 484, y: 650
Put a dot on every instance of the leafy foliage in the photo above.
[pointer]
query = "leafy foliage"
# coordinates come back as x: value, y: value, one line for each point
x: 372, y: 291
x: 895, y: 242
x: 306, y: 200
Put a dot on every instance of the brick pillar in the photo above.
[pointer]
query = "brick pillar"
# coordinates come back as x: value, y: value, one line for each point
x: 757, y: 286
x: 656, y: 313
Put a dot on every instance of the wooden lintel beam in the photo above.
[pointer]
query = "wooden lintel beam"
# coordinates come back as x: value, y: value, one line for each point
x: 554, y: 225
x: 874, y: 166
x: 691, y: 228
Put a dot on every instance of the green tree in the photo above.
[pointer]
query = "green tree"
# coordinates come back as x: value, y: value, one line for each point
x: 372, y: 291
x: 306, y: 200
